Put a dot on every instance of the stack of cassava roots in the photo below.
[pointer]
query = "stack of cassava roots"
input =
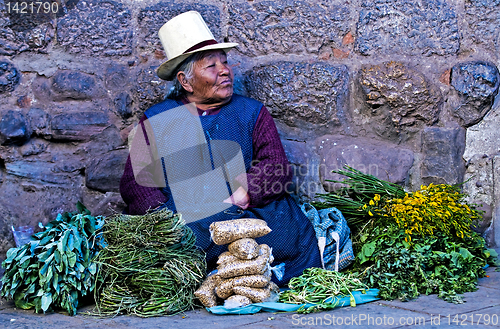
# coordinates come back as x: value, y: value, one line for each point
x: 243, y: 275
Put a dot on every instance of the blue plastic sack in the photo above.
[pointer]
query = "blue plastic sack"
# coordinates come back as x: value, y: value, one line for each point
x: 359, y: 297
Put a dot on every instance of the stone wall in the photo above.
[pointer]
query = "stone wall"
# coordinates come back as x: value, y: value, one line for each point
x: 404, y: 90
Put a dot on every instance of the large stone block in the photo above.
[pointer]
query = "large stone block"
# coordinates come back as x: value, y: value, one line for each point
x: 302, y: 94
x: 399, y: 99
x: 483, y: 17
x: 104, y: 204
x: 39, y: 121
x: 34, y: 146
x: 287, y: 27
x: 152, y: 18
x: 30, y: 203
x: 117, y: 77
x: 7, y: 220
x: 477, y: 83
x: 14, y: 129
x: 423, y: 27
x: 479, y: 187
x: 66, y: 85
x: 96, y: 27
x: 22, y: 30
x: 9, y: 44
x: 123, y: 105
x: 496, y: 216
x: 483, y: 138
x: 305, y: 164
x: 380, y: 159
x: 9, y: 77
x: 104, y: 142
x: 78, y: 126
x: 148, y: 89
x: 104, y: 172
x: 64, y: 172
x: 443, y: 149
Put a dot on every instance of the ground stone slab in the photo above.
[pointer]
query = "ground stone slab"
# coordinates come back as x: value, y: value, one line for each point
x: 152, y: 18
x: 380, y: 159
x: 96, y: 27
x: 297, y: 92
x: 483, y: 17
x: 442, y: 149
x: 287, y: 27
x: 424, y: 27
x: 477, y: 83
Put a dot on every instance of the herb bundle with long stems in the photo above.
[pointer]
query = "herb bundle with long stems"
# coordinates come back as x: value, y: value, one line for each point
x: 321, y: 287
x: 358, y: 190
x: 150, y: 266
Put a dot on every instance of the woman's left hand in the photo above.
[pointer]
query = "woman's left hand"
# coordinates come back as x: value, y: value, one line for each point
x: 239, y: 198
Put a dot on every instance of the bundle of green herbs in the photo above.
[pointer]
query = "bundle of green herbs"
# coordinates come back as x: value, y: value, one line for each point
x: 408, y: 244
x: 55, y: 269
x: 321, y: 287
x: 150, y: 266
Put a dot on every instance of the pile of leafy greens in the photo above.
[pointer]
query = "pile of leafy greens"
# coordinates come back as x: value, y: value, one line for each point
x: 408, y: 244
x: 55, y: 269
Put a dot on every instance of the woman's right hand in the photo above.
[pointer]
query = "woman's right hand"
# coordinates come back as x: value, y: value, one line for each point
x: 239, y: 198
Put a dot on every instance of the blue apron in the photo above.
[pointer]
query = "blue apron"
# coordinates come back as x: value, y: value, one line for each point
x: 293, y: 240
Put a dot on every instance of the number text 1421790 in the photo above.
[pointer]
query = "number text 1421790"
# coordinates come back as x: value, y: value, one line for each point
x: 38, y: 7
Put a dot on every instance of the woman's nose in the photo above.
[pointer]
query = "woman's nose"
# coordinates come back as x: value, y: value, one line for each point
x: 224, y: 69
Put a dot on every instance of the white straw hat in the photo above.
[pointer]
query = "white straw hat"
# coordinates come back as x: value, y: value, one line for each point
x: 182, y: 36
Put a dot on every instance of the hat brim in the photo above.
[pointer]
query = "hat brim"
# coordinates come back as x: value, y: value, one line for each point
x: 167, y: 69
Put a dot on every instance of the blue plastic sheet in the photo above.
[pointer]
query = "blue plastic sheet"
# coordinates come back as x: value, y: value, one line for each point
x: 359, y: 297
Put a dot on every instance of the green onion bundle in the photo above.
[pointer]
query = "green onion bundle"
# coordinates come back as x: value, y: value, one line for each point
x: 357, y: 191
x: 321, y: 287
x: 150, y: 266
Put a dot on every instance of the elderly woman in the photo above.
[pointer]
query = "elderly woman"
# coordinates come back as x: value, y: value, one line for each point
x: 202, y: 77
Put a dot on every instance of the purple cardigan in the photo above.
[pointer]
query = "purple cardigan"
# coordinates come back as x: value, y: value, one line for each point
x: 270, y: 168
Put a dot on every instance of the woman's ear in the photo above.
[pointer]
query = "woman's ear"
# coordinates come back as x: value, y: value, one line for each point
x: 184, y: 82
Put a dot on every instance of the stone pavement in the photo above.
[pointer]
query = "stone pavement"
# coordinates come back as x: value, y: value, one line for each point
x: 481, y: 310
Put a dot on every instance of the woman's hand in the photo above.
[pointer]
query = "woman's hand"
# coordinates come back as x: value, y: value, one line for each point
x: 239, y: 198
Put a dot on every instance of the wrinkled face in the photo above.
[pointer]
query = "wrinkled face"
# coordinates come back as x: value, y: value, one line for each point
x: 212, y: 80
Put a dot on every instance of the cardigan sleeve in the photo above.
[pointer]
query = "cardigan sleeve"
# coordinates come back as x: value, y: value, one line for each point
x: 140, y: 198
x: 270, y: 174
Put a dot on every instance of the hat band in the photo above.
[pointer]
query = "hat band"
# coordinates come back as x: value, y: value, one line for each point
x: 201, y: 45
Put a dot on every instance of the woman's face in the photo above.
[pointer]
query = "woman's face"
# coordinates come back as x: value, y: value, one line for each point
x: 212, y: 81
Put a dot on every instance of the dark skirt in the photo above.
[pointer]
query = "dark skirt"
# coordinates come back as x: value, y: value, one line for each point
x: 293, y: 240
